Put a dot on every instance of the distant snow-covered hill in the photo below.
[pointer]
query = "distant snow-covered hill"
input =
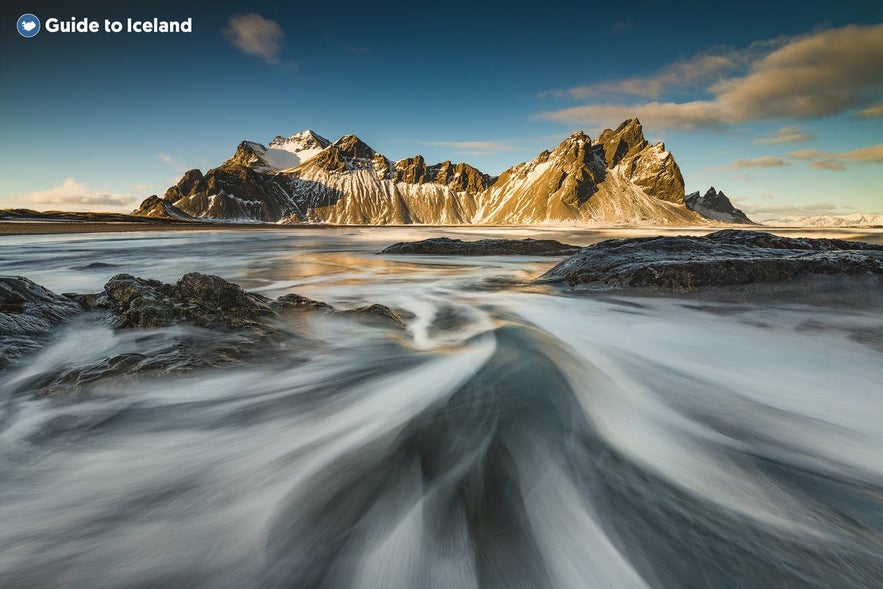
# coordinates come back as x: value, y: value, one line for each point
x: 850, y: 220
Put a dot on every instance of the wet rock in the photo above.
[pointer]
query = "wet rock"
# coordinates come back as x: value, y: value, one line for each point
x: 28, y: 313
x: 88, y: 301
x: 204, y: 300
x: 295, y: 303
x: 379, y: 315
x: 445, y: 246
x: 210, y: 301
x: 724, y: 258
x: 139, y: 302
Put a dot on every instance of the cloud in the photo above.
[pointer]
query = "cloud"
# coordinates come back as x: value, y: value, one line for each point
x: 624, y: 25
x: 764, y: 161
x: 807, y: 154
x: 828, y: 165
x: 72, y: 196
x: 172, y: 162
x: 354, y: 49
x: 872, y: 112
x: 865, y: 155
x: 141, y: 187
x: 827, y: 160
x: 763, y: 213
x: 791, y: 134
x: 812, y: 76
x: 255, y: 35
x: 476, y: 147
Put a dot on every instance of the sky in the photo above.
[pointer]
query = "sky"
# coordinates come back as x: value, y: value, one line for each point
x: 778, y: 104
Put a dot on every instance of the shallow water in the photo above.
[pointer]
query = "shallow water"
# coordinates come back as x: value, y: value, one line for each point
x: 510, y: 437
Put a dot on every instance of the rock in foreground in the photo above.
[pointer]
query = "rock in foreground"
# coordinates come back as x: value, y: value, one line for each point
x: 724, y: 258
x: 28, y: 312
x: 445, y: 246
x: 242, y: 323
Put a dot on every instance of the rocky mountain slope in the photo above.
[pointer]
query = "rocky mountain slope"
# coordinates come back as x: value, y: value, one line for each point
x: 618, y: 178
x: 715, y: 205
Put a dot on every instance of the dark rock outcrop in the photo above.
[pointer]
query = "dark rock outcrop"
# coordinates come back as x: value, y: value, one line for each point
x: 716, y: 206
x: 295, y: 303
x: 724, y: 258
x: 154, y: 206
x: 28, y: 313
x: 375, y: 314
x: 203, y: 300
x: 445, y: 246
x: 238, y: 326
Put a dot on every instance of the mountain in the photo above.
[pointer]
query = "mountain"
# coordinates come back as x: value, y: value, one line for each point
x: 282, y: 152
x: 715, y: 205
x: 850, y: 220
x: 618, y: 178
x: 350, y: 183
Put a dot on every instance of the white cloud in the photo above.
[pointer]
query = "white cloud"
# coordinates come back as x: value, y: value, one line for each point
x: 791, y: 134
x: 72, y: 196
x: 812, y: 76
x: 833, y: 165
x: 172, y: 162
x: 476, y: 147
x: 827, y: 160
x: 764, y: 161
x: 872, y: 112
x: 255, y: 35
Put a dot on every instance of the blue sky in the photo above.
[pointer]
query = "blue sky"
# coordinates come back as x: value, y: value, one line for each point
x: 778, y: 104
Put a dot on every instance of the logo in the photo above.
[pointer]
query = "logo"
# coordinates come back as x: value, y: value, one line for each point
x: 28, y: 25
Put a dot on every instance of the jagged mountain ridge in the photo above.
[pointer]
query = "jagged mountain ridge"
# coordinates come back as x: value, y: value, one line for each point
x: 618, y: 178
x: 715, y: 205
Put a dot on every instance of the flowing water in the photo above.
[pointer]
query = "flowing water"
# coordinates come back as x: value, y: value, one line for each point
x: 509, y: 437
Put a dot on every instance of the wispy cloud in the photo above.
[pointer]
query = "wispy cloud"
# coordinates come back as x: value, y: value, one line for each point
x: 764, y: 161
x: 807, y: 154
x: 255, y: 35
x: 833, y: 165
x: 624, y: 25
x: 354, y: 49
x: 172, y: 162
x: 72, y: 196
x: 685, y: 74
x: 791, y: 134
x: 872, y: 112
x: 476, y: 147
x: 811, y: 76
x: 827, y: 160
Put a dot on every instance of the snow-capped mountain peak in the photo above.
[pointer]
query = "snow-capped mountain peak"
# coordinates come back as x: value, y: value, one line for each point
x: 282, y: 153
x: 306, y: 140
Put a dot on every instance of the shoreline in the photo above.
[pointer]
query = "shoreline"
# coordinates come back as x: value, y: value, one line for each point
x: 64, y: 227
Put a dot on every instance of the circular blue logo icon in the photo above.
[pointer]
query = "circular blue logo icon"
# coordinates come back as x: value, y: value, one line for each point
x: 28, y: 25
